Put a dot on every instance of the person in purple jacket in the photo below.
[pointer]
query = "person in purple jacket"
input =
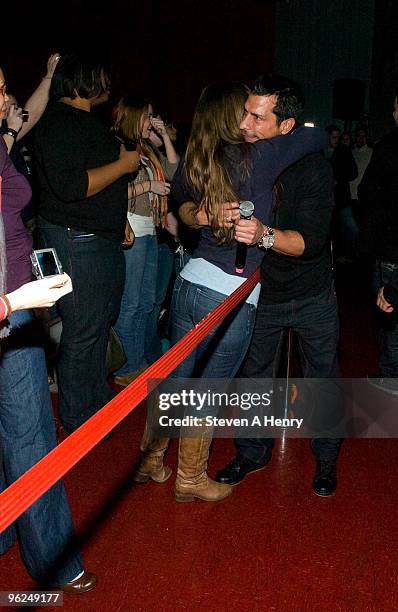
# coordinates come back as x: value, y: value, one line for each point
x: 219, y: 167
x: 27, y: 429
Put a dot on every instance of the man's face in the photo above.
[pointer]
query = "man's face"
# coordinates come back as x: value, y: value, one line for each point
x: 360, y: 139
x: 259, y: 121
x: 334, y: 138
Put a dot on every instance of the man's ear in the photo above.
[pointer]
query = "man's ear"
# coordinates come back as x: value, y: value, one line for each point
x: 287, y: 125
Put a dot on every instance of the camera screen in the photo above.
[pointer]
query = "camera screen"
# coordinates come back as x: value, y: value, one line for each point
x: 47, y: 263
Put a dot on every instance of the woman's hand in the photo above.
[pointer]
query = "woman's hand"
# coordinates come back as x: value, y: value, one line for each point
x: 41, y: 293
x: 160, y: 187
x: 14, y: 117
x: 51, y: 65
x: 158, y: 125
x: 228, y: 213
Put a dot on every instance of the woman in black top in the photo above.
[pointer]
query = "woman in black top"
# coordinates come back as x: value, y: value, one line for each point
x: 82, y: 174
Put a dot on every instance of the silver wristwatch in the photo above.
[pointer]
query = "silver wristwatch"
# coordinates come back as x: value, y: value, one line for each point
x: 267, y: 239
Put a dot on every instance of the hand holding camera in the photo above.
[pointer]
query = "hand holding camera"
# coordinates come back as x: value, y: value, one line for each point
x: 16, y: 117
x: 41, y: 293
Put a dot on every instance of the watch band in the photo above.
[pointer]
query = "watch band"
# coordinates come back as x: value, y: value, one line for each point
x: 10, y: 132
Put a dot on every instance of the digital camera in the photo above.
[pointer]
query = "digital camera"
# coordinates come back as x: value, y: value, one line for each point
x: 45, y: 262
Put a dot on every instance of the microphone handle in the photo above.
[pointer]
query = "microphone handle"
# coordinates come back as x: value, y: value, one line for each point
x: 241, y: 252
x: 240, y: 260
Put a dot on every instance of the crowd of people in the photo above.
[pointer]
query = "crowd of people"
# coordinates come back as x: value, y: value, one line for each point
x: 113, y: 201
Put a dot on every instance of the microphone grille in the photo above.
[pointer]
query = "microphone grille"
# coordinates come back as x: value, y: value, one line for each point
x: 246, y: 208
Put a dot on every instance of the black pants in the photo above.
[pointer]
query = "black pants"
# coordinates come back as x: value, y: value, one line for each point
x: 315, y: 323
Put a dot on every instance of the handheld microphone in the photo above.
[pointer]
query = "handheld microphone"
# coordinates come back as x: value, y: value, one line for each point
x: 246, y: 209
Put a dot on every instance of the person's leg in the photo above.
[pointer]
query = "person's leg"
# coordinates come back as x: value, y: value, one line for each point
x: 153, y: 344
x: 388, y: 334
x: 96, y: 267
x: 9, y: 535
x: 219, y: 355
x: 137, y: 302
x: 316, y: 324
x: 27, y: 433
x: 262, y: 361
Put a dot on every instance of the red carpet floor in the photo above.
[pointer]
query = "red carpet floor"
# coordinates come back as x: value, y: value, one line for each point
x: 272, y: 546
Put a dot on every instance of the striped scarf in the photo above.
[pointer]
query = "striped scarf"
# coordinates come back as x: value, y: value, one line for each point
x: 159, y: 203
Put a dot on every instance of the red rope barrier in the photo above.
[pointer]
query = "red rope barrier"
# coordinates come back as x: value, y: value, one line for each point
x: 46, y: 472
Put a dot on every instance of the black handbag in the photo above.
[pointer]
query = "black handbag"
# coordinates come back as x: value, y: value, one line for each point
x: 115, y: 355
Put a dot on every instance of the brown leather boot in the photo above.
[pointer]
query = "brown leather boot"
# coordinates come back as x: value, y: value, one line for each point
x: 153, y: 448
x: 151, y: 465
x: 192, y: 480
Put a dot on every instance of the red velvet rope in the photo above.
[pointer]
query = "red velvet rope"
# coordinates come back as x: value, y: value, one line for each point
x: 46, y: 472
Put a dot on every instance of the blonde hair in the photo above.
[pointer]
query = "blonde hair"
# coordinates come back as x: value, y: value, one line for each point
x: 216, y: 123
x: 127, y: 116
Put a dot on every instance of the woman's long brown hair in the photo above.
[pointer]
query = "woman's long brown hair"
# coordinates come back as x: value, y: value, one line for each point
x: 215, y: 124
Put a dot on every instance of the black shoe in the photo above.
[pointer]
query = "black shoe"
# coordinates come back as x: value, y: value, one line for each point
x: 325, y: 481
x: 388, y: 385
x: 237, y: 469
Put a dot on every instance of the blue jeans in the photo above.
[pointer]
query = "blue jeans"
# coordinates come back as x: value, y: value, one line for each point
x: 388, y: 324
x: 27, y: 433
x: 221, y: 353
x: 153, y: 344
x: 316, y: 324
x: 96, y: 266
x: 138, y: 301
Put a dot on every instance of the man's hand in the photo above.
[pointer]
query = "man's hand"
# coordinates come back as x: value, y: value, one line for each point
x: 248, y: 231
x: 131, y: 159
x: 382, y: 302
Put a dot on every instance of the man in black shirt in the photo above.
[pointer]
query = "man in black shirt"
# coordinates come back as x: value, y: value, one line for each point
x: 296, y: 277
x: 378, y: 196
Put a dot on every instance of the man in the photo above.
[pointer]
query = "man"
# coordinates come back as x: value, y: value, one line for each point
x: 296, y: 276
x: 361, y: 153
x: 378, y: 195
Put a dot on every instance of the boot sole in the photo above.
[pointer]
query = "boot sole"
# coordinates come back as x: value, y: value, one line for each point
x: 143, y: 478
x: 190, y: 497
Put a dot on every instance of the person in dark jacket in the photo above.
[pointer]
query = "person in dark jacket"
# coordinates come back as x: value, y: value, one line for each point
x: 378, y: 194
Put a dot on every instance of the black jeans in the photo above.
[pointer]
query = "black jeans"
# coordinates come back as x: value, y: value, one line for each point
x: 388, y: 325
x: 316, y: 324
x: 97, y: 269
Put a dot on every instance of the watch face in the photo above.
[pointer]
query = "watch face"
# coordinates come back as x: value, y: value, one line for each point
x: 268, y: 241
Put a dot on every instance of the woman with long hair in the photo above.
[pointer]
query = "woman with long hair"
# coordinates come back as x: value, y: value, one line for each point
x: 218, y: 167
x: 147, y: 210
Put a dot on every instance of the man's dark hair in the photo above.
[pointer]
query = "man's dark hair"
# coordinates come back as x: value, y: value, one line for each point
x: 332, y: 128
x: 290, y: 98
x: 78, y: 74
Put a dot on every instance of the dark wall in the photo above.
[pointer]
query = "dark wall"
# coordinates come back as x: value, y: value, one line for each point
x: 169, y: 49
x: 384, y: 84
x: 318, y: 41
